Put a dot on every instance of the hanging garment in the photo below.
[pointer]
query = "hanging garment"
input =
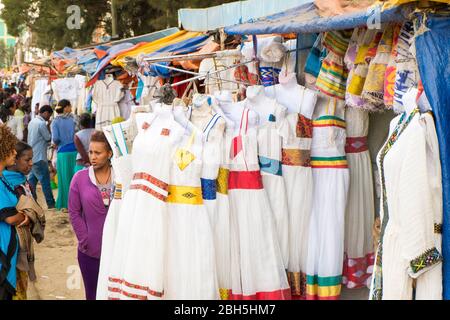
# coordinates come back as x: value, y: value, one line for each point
x: 333, y: 74
x: 407, y: 75
x: 215, y: 189
x: 138, y: 265
x: 269, y: 156
x: 82, y: 92
x: 296, y: 131
x: 368, y: 41
x: 119, y: 137
x: 66, y: 88
x: 391, y: 70
x: 106, y: 96
x: 360, y: 212
x: 314, y: 62
x: 373, y: 91
x: 331, y: 183
x: 257, y: 269
x: 190, y: 255
x: 409, y: 249
x: 126, y: 105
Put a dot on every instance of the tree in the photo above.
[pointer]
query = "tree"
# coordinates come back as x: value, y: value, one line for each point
x: 48, y: 19
x: 6, y: 55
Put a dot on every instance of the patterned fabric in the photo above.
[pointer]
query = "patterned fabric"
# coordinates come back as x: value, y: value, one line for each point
x: 297, y: 282
x: 329, y: 121
x: 315, y: 57
x: 323, y: 288
x: 304, y: 127
x: 269, y: 76
x: 332, y: 79
x: 270, y: 166
x: 391, y: 70
x: 296, y: 157
x: 209, y: 188
x: 145, y: 291
x: 357, y: 271
x: 222, y: 181
x: 438, y: 228
x: 373, y: 91
x: 356, y: 145
x: 150, y: 185
x: 118, y: 191
x: 407, y: 75
x: 185, y: 195
x: 224, y: 294
x: 329, y: 162
x: 425, y: 260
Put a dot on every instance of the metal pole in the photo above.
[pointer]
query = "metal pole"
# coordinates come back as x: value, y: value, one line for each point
x: 114, y: 19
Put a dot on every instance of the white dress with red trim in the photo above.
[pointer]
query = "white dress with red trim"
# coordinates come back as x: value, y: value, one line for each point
x: 138, y: 263
x: 119, y: 137
x: 257, y: 268
x: 191, y: 272
x: 331, y: 183
x: 296, y: 131
x: 360, y: 212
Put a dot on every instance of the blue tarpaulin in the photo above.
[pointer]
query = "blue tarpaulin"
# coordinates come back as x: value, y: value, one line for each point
x: 433, y: 55
x: 306, y: 19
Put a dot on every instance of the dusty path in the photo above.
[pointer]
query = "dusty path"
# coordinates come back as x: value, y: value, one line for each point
x: 58, y: 274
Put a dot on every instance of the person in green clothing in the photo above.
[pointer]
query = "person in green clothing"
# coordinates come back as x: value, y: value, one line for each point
x: 82, y: 140
x: 63, y: 133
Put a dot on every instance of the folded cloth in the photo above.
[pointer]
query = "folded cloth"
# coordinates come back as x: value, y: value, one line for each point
x: 25, y: 260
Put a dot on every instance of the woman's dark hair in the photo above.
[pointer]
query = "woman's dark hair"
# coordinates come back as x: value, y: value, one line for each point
x: 85, y: 120
x: 21, y: 147
x: 5, y: 109
x: 7, y: 142
x: 99, y: 136
x: 64, y: 103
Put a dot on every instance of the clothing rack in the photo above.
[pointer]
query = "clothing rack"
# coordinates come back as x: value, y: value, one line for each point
x: 193, y: 56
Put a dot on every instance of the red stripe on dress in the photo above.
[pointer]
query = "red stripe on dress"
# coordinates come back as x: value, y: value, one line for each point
x: 316, y: 297
x: 136, y: 286
x: 356, y: 145
x: 151, y: 179
x: 149, y: 191
x: 250, y: 180
x: 284, y: 294
x: 127, y: 294
x: 329, y: 125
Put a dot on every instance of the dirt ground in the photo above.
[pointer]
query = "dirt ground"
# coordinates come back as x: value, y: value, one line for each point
x: 58, y: 274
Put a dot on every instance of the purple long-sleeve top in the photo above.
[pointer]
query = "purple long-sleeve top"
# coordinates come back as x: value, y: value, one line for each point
x: 87, y: 212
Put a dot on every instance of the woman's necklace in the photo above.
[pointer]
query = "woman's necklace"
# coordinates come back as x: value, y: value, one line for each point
x: 98, y: 180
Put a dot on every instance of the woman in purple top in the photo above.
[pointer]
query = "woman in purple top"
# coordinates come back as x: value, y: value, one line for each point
x: 89, y: 199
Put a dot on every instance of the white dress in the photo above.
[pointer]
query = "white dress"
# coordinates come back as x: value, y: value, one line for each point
x: 360, y: 212
x: 296, y: 131
x: 138, y: 264
x: 257, y: 268
x: 411, y: 213
x: 191, y: 262
x: 120, y: 137
x: 331, y: 182
x: 269, y: 156
x: 106, y: 96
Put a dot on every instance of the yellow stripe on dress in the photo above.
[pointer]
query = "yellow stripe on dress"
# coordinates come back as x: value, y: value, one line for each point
x: 323, y: 291
x: 185, y: 195
x: 222, y: 181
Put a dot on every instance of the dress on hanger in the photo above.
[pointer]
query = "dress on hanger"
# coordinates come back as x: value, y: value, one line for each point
x: 296, y: 132
x: 360, y: 212
x: 106, y: 96
x: 257, y: 268
x: 331, y: 182
x: 411, y: 212
x: 120, y: 137
x: 191, y: 271
x: 137, y: 269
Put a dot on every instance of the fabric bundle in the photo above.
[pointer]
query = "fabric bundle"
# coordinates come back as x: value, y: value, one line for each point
x: 391, y: 70
x: 314, y: 62
x: 332, y: 79
x: 373, y: 91
x: 367, y: 49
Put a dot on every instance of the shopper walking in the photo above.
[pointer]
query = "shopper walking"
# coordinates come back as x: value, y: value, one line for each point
x: 39, y: 138
x: 89, y: 199
x: 63, y: 132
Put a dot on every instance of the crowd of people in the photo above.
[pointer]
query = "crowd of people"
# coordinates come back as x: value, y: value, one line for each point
x: 34, y: 143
